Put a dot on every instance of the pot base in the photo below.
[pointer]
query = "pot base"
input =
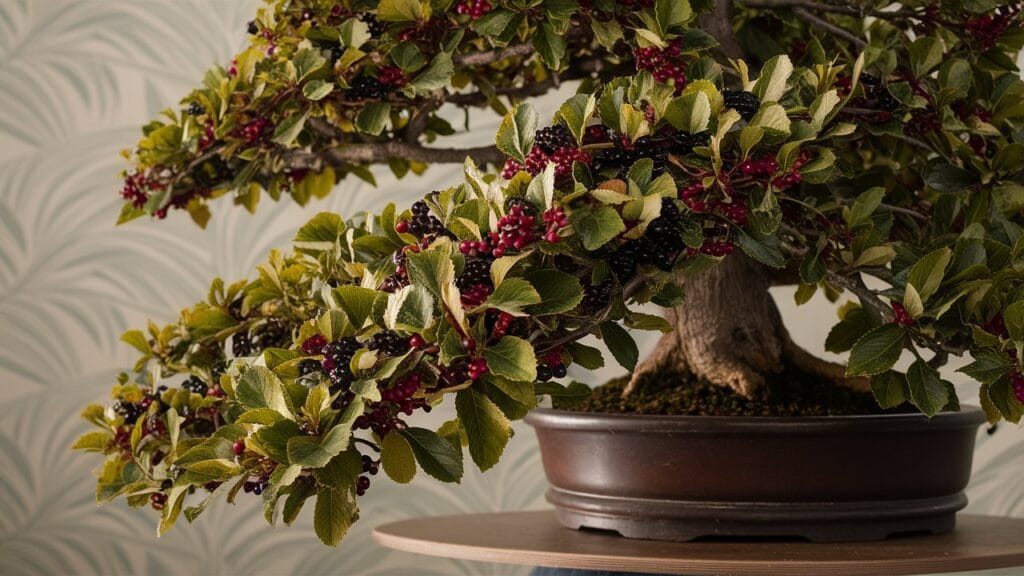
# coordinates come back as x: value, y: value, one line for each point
x: 816, y: 522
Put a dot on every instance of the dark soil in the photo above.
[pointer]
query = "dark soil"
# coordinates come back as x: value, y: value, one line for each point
x: 787, y: 394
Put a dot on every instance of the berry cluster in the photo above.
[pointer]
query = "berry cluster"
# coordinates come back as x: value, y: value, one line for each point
x: 475, y: 282
x: 241, y: 344
x: 195, y: 385
x: 551, y: 366
x: 712, y: 248
x: 900, y: 314
x: 664, y: 64
x: 130, y: 411
x: 987, y: 29
x: 596, y: 297
x: 624, y: 154
x: 554, y: 220
x: 475, y: 9
x: 1017, y: 379
x: 477, y: 368
x: 501, y: 325
x: 553, y: 138
x: 388, y: 342
x: 402, y: 390
x: 367, y: 88
x: 515, y: 229
x: 422, y: 224
x: 254, y: 130
x: 392, y: 77
x: 256, y: 486
x: 746, y: 103
x: 337, y: 361
x: 314, y: 345
x: 665, y: 236
x: 377, y: 28
x: 793, y: 176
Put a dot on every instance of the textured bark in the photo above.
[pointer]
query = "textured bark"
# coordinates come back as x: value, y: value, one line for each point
x: 729, y: 332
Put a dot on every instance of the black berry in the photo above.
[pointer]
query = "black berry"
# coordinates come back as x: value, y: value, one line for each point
x: 746, y: 103
x: 553, y: 138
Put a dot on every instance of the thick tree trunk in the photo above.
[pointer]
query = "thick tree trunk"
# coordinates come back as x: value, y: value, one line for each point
x: 729, y: 332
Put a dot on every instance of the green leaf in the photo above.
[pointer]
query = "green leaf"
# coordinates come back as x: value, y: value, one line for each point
x: 316, y: 451
x: 373, y: 118
x: 577, y: 112
x: 559, y: 291
x: 513, y: 358
x: 290, y: 128
x: 356, y: 302
x: 550, y: 45
x: 690, y: 112
x: 342, y: 471
x: 948, y: 178
x: 335, y: 512
x: 261, y: 388
x: 876, y: 351
x: 515, y: 134
x: 400, y: 10
x: 411, y: 309
x: 434, y: 77
x: 435, y: 455
x: 307, y: 61
x: 927, y: 391
x: 864, y: 206
x: 771, y: 85
x: 1013, y: 317
x: 927, y: 274
x: 925, y: 54
x: 302, y: 490
x: 988, y: 366
x: 890, y: 388
x: 216, y: 469
x: 317, y: 90
x: 620, y: 344
x: 596, y: 226
x: 209, y: 320
x: 397, y: 458
x: 765, y: 251
x: 93, y: 442
x: 487, y: 429
x: 136, y: 339
x: 512, y: 295
x: 586, y: 356
x: 431, y: 269
x: 1002, y: 396
x: 274, y: 439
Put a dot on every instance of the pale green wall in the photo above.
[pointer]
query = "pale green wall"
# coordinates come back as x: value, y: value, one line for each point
x: 77, y: 79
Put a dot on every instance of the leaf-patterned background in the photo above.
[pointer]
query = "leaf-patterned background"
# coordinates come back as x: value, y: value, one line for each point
x: 77, y: 80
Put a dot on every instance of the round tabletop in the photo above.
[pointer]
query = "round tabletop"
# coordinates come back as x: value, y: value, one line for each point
x: 536, y: 538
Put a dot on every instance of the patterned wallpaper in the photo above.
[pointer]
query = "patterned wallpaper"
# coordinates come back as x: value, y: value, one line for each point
x: 77, y: 79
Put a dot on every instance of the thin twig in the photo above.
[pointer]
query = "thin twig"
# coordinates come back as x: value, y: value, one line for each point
x: 490, y: 56
x: 834, y: 8
x: 829, y: 27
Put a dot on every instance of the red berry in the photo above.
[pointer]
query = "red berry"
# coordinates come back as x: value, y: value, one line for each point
x: 402, y: 226
x: 238, y: 447
x: 900, y: 315
x: 416, y: 341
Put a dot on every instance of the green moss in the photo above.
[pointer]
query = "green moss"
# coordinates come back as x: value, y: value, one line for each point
x: 787, y: 394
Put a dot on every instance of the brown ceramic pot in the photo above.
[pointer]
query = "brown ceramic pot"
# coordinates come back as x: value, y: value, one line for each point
x: 821, y: 478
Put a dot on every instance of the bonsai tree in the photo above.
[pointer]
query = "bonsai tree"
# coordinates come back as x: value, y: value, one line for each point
x: 875, y: 157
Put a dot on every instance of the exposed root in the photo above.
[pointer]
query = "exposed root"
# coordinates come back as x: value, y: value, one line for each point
x: 729, y: 332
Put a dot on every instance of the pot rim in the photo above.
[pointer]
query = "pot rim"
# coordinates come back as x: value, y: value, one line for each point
x: 550, y: 418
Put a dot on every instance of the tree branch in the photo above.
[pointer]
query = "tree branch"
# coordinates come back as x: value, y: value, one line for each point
x: 829, y: 27
x: 718, y: 23
x: 834, y: 8
x: 371, y: 153
x: 490, y: 56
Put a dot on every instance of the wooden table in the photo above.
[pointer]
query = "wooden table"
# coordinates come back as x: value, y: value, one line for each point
x: 536, y: 538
